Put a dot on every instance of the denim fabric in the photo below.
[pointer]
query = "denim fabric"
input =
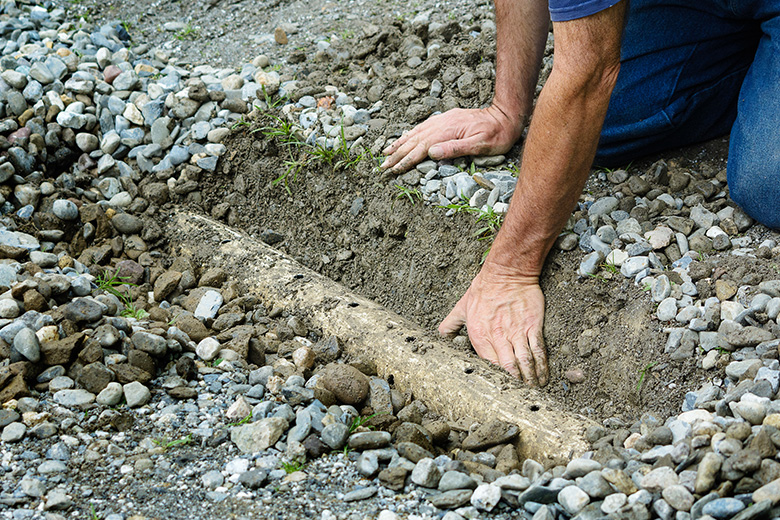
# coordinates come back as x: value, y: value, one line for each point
x: 693, y: 70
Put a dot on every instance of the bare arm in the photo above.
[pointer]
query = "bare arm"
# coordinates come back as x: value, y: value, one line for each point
x: 504, y: 307
x: 521, y: 35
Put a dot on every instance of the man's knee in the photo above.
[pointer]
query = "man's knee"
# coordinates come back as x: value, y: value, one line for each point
x: 754, y: 184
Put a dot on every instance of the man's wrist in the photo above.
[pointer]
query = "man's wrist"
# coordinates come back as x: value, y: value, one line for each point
x: 510, y: 115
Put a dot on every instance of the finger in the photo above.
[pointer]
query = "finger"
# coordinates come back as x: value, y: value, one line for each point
x: 525, y: 360
x: 539, y: 353
x: 457, y: 148
x: 405, y: 136
x: 506, y: 356
x: 392, y: 147
x: 454, y: 320
x: 406, y: 147
x: 412, y: 158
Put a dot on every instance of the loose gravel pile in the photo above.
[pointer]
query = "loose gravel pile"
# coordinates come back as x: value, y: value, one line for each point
x: 127, y: 370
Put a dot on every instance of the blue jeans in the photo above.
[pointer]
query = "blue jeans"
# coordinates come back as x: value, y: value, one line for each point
x: 693, y: 70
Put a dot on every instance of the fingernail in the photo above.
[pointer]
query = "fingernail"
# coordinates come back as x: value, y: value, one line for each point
x: 384, y: 164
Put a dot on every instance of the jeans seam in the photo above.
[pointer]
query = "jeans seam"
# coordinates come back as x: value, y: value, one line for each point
x: 741, y: 70
x: 679, y: 74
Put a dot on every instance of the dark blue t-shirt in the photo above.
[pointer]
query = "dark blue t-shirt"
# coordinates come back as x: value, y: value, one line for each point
x: 564, y: 10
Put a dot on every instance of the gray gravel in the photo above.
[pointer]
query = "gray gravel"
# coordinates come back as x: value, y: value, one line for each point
x: 178, y: 390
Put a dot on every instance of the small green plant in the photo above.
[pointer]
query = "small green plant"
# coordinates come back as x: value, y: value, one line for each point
x: 242, y: 122
x: 348, y: 34
x: 188, y: 32
x: 109, y: 283
x: 131, y: 311
x: 292, y: 467
x: 598, y: 277
x: 357, y: 422
x: 126, y: 26
x: 216, y: 362
x: 93, y: 514
x: 241, y: 421
x: 489, y: 218
x: 643, y: 374
x: 166, y: 444
x: 413, y: 194
x: 647, y: 287
x: 612, y: 268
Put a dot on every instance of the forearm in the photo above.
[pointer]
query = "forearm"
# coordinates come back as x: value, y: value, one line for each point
x: 520, y: 40
x: 559, y: 150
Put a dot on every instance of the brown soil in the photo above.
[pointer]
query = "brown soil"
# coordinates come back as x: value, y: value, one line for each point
x: 357, y: 228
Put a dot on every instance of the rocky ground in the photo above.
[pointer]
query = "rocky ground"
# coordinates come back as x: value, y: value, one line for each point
x: 137, y: 382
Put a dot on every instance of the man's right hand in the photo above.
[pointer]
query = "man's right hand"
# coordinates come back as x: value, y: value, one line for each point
x: 504, y: 315
x: 455, y: 133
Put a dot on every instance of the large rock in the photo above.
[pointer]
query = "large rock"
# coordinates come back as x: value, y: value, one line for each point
x: 258, y: 436
x: 83, y: 310
x: 347, y: 383
x: 490, y: 434
x: 74, y: 398
x: 61, y: 352
x: 165, y: 284
x: 152, y: 344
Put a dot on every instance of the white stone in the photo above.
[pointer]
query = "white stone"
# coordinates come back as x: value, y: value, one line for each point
x: 573, y: 499
x: 208, y: 348
x: 714, y: 231
x: 694, y: 416
x: 486, y: 497
x: 613, y: 503
x: 74, y: 398
x: 659, y: 479
x: 8, y: 308
x: 209, y: 305
x: 667, y: 309
x: 634, y: 265
x: 617, y: 257
x: 730, y: 310
x: 111, y: 395
x: 136, y: 394
x: 660, y: 237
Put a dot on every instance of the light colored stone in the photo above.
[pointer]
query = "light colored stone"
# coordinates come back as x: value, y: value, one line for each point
x: 136, y: 394
x: 573, y: 499
x: 486, y: 497
x: 258, y: 436
x: 208, y: 348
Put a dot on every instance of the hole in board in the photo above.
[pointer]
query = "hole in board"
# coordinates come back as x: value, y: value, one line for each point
x: 535, y: 408
x: 353, y: 304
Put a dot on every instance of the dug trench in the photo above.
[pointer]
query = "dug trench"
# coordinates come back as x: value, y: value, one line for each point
x: 606, y: 349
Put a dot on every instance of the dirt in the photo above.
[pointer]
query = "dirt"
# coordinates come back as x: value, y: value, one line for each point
x: 358, y: 228
x: 413, y: 259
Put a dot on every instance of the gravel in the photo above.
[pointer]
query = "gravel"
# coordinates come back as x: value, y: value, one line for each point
x: 182, y: 380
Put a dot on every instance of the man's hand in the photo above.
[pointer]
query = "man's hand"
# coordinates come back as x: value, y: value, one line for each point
x: 455, y: 133
x: 504, y: 317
